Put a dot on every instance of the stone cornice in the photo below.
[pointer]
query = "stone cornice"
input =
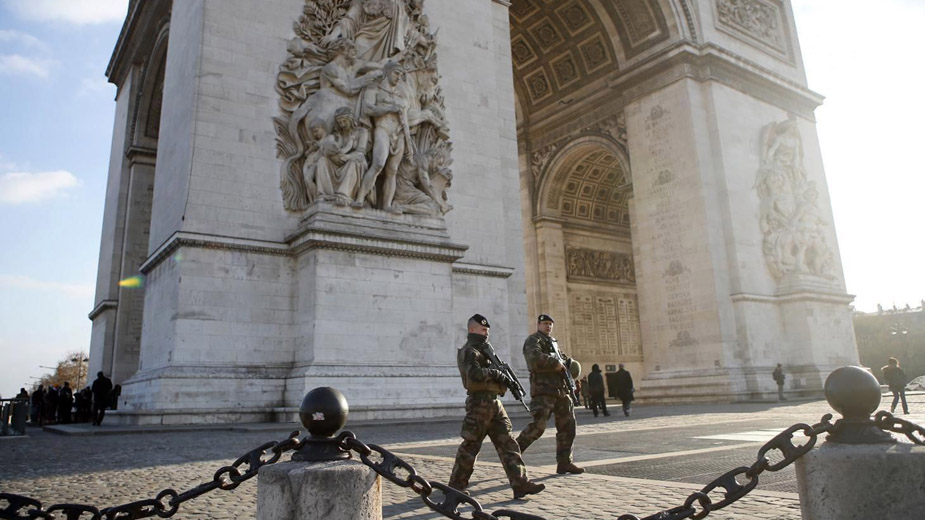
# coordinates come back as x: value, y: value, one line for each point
x: 682, y: 60
x: 197, y: 240
x: 131, y: 21
x: 505, y: 3
x: 102, y: 307
x: 141, y: 154
x: 323, y: 239
x: 806, y: 296
x: 491, y: 271
x: 315, y: 236
x: 712, y: 63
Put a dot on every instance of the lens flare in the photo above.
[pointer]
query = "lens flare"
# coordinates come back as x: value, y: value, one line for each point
x: 133, y: 282
x: 178, y: 257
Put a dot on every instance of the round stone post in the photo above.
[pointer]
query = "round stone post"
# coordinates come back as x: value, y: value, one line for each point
x: 860, y: 472
x: 321, y: 482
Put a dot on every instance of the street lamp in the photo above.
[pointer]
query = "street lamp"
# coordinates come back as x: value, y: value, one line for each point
x: 80, y: 359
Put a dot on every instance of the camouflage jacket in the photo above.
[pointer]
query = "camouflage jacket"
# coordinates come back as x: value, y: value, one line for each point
x: 545, y: 378
x: 476, y: 369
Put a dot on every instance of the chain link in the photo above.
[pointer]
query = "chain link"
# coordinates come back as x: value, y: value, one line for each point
x: 890, y: 423
x: 439, y: 497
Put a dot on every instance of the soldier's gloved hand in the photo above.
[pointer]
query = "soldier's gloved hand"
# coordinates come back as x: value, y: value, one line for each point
x: 505, y: 380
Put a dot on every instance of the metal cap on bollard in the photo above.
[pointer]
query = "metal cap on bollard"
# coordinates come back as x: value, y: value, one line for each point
x: 855, y: 393
x: 323, y: 413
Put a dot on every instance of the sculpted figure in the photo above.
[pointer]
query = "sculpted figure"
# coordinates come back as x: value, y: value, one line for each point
x: 317, y: 132
x: 415, y: 193
x: 346, y: 67
x: 379, y: 28
x: 343, y: 159
x: 794, y: 232
x: 387, y: 106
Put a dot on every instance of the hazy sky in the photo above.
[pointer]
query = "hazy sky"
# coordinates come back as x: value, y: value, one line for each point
x: 56, y: 110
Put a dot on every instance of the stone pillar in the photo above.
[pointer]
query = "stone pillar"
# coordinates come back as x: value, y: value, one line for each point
x: 861, y: 471
x: 336, y: 490
x: 854, y: 482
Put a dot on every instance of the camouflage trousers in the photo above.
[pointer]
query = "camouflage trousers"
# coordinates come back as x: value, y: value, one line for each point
x: 541, y: 407
x: 485, y: 415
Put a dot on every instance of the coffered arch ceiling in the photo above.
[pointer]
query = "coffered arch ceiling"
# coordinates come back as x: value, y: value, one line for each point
x: 589, y: 184
x: 560, y: 46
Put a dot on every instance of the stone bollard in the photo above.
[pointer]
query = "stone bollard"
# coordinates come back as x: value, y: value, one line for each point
x: 320, y: 482
x: 860, y: 472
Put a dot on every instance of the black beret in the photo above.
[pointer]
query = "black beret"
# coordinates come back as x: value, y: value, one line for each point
x: 478, y: 318
x: 545, y: 317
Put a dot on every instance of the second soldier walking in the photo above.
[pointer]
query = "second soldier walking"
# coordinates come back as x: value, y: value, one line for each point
x: 549, y: 395
x: 485, y: 414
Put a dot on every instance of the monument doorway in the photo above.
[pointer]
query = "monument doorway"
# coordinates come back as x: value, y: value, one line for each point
x: 583, y: 270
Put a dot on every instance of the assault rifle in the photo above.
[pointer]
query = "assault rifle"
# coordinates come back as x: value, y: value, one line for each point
x: 517, y: 389
x: 569, y: 380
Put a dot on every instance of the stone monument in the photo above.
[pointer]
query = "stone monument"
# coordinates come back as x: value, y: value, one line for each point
x: 320, y: 192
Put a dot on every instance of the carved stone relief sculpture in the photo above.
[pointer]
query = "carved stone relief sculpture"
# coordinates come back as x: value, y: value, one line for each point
x: 363, y: 119
x: 754, y: 17
x: 794, y: 231
x: 599, y: 265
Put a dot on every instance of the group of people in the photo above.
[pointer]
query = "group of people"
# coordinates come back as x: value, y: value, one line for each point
x: 591, y: 389
x: 61, y: 405
x: 486, y: 383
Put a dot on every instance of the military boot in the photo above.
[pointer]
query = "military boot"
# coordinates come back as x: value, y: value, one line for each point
x: 562, y: 469
x: 528, y: 488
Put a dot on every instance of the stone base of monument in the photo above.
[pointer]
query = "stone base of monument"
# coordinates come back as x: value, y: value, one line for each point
x: 335, y: 490
x: 728, y: 385
x: 862, y: 481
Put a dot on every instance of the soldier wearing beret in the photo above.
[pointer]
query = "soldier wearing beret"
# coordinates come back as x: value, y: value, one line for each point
x: 485, y: 415
x: 549, y: 396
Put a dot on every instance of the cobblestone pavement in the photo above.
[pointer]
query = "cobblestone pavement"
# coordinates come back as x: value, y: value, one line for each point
x: 649, y: 462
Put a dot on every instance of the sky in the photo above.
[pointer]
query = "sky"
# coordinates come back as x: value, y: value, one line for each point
x: 56, y: 117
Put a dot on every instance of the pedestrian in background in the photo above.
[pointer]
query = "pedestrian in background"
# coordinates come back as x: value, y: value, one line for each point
x: 596, y: 390
x: 38, y: 401
x: 585, y: 393
x: 895, y: 378
x: 625, y: 388
x: 65, y: 403
x: 779, y: 378
x: 101, y: 388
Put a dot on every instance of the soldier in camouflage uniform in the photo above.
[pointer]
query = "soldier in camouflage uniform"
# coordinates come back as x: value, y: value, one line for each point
x: 485, y: 415
x: 549, y: 396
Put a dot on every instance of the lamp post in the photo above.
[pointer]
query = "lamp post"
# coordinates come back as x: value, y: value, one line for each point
x: 80, y: 359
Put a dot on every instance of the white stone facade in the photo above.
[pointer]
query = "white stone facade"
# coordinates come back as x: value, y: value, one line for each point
x: 247, y: 305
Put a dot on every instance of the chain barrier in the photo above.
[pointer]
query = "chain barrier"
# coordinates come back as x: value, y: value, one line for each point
x: 166, y: 503
x: 890, y: 423
x: 448, y: 501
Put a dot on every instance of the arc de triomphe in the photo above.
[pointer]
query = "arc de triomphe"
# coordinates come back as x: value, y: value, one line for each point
x: 319, y: 193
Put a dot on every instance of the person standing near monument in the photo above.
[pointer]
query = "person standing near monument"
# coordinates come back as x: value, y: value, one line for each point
x: 895, y: 378
x: 485, y: 414
x: 625, y: 388
x: 596, y: 390
x: 779, y: 378
x: 38, y: 402
x: 101, y: 388
x: 549, y: 395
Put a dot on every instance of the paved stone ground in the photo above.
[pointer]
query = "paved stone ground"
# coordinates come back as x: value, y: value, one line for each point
x: 649, y: 462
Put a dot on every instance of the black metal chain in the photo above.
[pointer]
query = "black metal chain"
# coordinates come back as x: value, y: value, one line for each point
x: 449, y: 500
x: 698, y: 505
x: 890, y: 423
x: 166, y: 503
